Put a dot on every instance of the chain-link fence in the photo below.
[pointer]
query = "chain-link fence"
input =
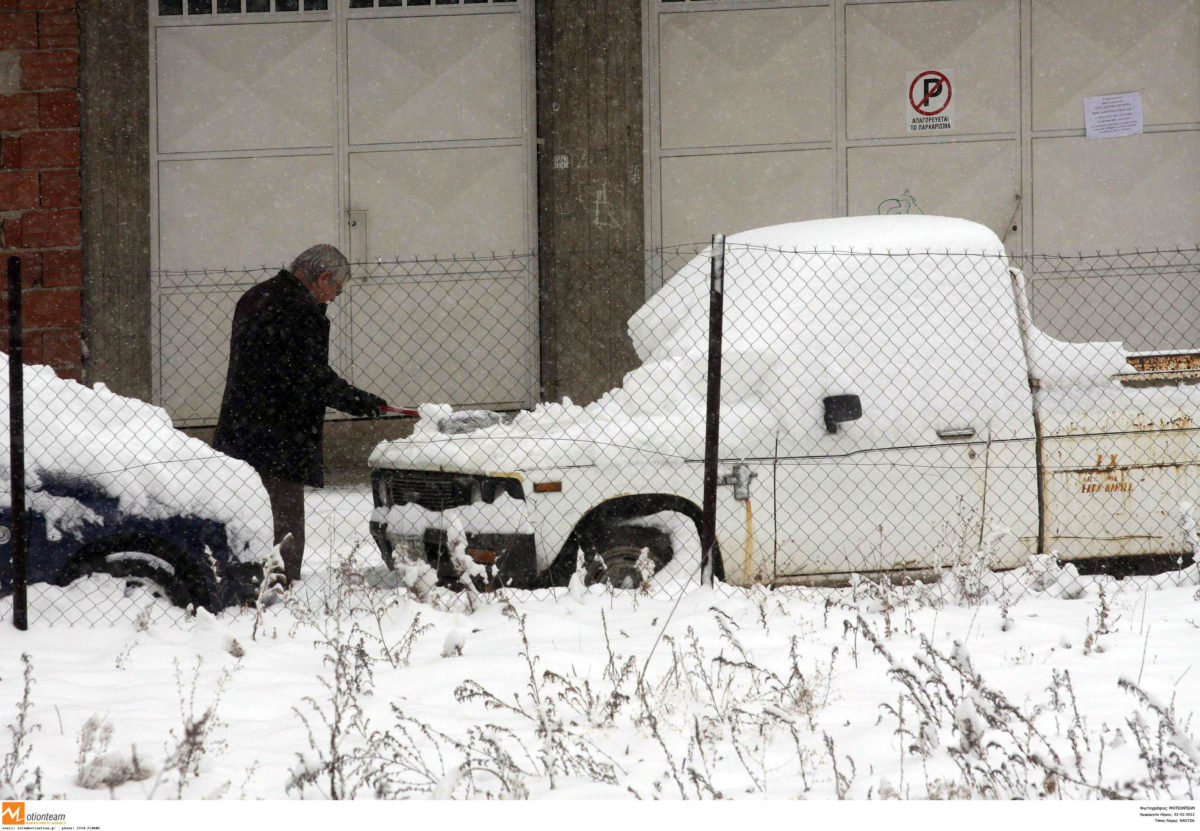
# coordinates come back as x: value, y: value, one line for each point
x: 952, y: 417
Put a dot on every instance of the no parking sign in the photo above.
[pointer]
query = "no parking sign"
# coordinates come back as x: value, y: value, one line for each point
x: 930, y: 101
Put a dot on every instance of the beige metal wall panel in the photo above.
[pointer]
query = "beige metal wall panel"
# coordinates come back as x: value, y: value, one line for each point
x: 1096, y: 47
x: 245, y: 87
x: 1122, y: 193
x: 436, y: 78
x: 706, y: 195
x: 239, y: 213
x: 975, y: 42
x: 746, y: 77
x: 1105, y: 195
x: 976, y: 180
x: 449, y: 339
x: 441, y: 202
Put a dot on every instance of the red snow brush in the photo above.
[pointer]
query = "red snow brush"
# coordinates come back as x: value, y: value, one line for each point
x: 387, y: 408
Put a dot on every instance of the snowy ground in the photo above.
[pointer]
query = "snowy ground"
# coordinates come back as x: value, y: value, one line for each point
x: 352, y: 688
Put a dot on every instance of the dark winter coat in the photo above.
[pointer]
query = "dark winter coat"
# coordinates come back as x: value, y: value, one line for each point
x: 279, y: 382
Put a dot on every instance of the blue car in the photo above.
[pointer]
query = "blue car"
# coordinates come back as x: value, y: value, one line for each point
x: 185, y: 559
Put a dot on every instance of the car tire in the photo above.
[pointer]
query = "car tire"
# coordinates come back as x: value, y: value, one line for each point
x: 144, y: 561
x: 613, y: 556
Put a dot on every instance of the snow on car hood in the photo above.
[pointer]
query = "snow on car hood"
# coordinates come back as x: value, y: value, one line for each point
x: 803, y: 305
x: 129, y: 450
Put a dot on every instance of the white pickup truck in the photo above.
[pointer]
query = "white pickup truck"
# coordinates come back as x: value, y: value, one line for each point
x: 887, y: 403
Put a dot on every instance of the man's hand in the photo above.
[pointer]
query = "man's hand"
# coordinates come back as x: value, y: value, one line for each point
x: 368, y: 405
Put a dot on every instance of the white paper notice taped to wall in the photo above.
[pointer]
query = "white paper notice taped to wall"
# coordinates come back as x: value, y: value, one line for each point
x: 1112, y: 116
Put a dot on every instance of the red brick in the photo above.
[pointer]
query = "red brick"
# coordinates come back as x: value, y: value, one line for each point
x: 18, y: 189
x: 18, y: 112
x: 59, y: 108
x: 44, y: 309
x: 58, y: 30
x: 70, y: 374
x: 49, y: 70
x: 50, y: 148
x: 10, y: 230
x: 62, y: 347
x: 60, y: 189
x: 8, y: 5
x: 31, y: 347
x: 62, y: 268
x: 10, y: 152
x: 42, y: 5
x: 50, y: 229
x: 18, y: 31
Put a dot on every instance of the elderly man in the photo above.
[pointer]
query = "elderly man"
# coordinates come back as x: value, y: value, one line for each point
x: 279, y: 384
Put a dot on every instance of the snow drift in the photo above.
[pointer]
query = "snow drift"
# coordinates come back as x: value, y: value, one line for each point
x: 129, y: 450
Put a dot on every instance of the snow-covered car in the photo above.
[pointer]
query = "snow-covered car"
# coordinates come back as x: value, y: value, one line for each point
x: 887, y: 404
x: 112, y: 487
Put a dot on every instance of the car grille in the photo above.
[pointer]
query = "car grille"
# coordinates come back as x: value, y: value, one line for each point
x: 437, y: 491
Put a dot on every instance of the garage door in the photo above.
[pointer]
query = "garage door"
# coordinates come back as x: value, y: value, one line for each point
x: 768, y: 111
x: 400, y: 131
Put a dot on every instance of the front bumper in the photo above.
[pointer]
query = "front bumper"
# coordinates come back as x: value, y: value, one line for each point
x: 511, y: 559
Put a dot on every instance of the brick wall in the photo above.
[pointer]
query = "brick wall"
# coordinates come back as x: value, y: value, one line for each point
x: 39, y: 175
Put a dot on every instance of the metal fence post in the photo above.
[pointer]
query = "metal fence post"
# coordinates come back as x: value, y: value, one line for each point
x: 712, y: 427
x: 16, y: 430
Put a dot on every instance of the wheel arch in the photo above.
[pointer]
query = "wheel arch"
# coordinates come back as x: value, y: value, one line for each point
x: 619, y: 509
x: 198, y: 580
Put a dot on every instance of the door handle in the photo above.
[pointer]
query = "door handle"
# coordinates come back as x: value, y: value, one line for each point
x: 947, y: 433
x: 356, y: 221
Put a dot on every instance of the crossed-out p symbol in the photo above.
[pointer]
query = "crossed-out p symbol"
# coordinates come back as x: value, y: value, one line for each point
x: 933, y: 88
x: 929, y: 93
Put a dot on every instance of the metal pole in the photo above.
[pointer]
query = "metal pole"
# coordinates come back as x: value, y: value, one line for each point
x: 16, y: 432
x: 712, y: 428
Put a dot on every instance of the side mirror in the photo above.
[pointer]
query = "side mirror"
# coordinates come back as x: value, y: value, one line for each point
x: 840, y: 408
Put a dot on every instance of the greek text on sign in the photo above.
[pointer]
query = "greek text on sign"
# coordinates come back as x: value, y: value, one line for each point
x: 930, y: 102
x: 1113, y: 116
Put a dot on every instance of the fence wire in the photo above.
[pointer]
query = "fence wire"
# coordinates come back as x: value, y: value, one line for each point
x: 952, y: 421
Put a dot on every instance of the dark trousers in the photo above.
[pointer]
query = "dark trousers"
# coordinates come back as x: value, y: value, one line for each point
x: 287, y: 510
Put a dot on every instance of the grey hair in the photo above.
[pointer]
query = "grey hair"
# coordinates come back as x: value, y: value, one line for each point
x: 319, y: 259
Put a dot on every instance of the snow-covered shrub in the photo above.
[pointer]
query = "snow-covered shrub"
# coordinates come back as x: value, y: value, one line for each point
x: 598, y: 706
x: 563, y: 750
x: 337, y: 726
x: 197, y: 736
x: 17, y: 781
x: 1005, y: 751
x: 1170, y: 755
x: 97, y: 767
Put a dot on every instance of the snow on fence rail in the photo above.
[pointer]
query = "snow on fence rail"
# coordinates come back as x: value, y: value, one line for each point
x: 902, y: 402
